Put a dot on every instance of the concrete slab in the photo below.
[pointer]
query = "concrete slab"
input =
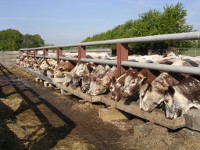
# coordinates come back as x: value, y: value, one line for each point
x: 63, y: 92
x: 96, y: 98
x: 111, y: 113
x: 192, y: 119
x: 87, y: 97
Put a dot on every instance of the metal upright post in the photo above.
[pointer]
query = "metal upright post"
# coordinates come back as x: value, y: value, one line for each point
x: 35, y: 53
x: 59, y: 53
x: 81, y: 53
x: 20, y: 52
x: 45, y: 52
x: 122, y: 55
x: 28, y: 52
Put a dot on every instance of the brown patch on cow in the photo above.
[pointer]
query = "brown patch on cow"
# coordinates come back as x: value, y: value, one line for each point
x: 190, y: 88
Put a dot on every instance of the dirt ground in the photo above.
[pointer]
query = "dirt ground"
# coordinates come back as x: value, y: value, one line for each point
x: 35, y: 117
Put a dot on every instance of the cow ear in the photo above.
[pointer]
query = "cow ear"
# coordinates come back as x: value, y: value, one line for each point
x: 171, y: 90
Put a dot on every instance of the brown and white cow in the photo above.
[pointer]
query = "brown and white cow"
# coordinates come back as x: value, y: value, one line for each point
x: 151, y: 95
x: 101, y: 85
x: 181, y: 97
x: 62, y: 68
x: 116, y: 85
x: 134, y: 82
x: 65, y: 66
x: 74, y: 77
x: 80, y: 73
x: 95, y: 73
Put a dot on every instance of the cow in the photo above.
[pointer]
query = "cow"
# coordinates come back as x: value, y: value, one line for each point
x: 64, y: 66
x: 61, y: 69
x: 47, y: 66
x: 152, y: 95
x: 19, y: 59
x: 134, y: 81
x: 116, y: 85
x: 36, y: 65
x: 68, y: 76
x: 96, y: 72
x: 181, y: 97
x: 80, y: 73
x: 101, y: 85
x: 74, y: 77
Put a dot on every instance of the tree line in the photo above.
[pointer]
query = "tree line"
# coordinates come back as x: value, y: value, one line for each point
x: 153, y: 22
x: 12, y: 39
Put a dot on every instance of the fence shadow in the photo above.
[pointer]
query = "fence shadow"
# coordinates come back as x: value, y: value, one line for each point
x: 52, y: 134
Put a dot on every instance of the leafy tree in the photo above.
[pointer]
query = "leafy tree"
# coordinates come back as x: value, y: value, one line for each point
x: 32, y: 41
x: 153, y: 22
x: 10, y: 39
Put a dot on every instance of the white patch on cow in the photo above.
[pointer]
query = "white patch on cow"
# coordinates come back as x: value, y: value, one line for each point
x: 151, y: 98
x: 177, y: 103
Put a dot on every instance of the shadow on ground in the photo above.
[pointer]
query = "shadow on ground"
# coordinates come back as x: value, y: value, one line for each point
x: 50, y: 134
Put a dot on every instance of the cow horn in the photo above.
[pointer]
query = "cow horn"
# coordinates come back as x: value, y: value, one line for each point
x: 165, y: 88
x: 141, y: 75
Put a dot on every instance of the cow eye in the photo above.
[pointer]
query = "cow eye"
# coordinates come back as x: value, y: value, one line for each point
x: 166, y: 101
x: 155, y: 103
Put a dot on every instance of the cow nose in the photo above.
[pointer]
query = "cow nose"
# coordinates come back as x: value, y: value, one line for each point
x: 169, y: 118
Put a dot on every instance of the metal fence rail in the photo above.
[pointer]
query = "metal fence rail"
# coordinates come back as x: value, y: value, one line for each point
x: 122, y: 52
x: 146, y: 39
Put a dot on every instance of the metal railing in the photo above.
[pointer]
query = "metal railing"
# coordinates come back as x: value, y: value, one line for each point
x: 122, y: 52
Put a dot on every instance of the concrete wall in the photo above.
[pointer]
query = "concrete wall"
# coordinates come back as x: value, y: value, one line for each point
x: 8, y: 58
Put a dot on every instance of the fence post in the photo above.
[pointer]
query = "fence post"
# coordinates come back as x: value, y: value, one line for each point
x: 59, y: 53
x: 45, y: 52
x: 28, y: 52
x: 122, y: 55
x: 20, y: 52
x: 35, y: 53
x: 81, y: 53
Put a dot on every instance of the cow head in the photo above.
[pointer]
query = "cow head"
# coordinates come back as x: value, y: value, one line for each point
x: 50, y: 73
x: 76, y: 81
x: 85, y: 83
x: 176, y: 104
x: 58, y: 74
x: 150, y: 98
x: 44, y: 65
x: 115, y: 90
x: 132, y: 84
x: 68, y: 79
x: 97, y: 88
x: 82, y: 69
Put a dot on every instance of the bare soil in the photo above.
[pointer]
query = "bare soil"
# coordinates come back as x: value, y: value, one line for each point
x: 35, y: 117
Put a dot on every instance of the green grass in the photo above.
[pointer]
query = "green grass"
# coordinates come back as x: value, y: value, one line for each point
x: 190, y: 52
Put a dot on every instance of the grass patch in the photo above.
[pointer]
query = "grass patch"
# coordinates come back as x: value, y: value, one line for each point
x: 190, y: 52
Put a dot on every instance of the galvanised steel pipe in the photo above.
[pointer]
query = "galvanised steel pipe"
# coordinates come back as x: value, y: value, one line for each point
x: 161, y: 67
x: 100, y: 61
x: 39, y: 56
x: 51, y: 57
x: 68, y: 58
x: 145, y: 39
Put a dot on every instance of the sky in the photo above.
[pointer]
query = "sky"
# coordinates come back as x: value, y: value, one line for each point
x: 62, y: 22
